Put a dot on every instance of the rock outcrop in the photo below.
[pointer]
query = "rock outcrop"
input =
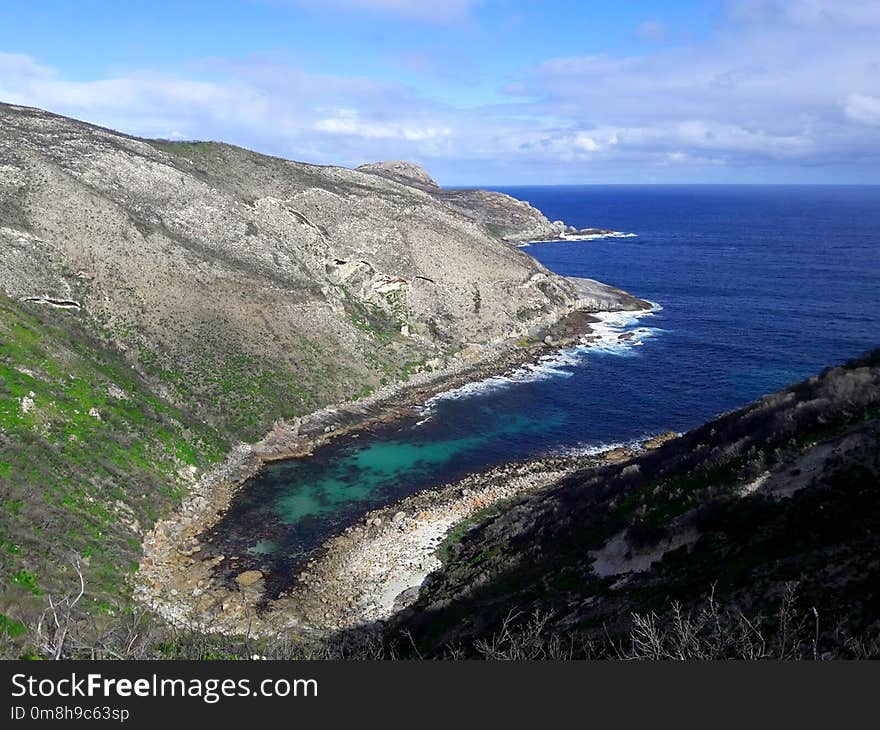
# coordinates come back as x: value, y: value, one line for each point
x: 503, y: 216
x: 402, y: 171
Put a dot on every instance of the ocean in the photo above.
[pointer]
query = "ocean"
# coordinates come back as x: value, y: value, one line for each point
x: 756, y: 287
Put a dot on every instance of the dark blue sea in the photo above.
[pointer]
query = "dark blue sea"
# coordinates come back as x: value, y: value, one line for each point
x: 757, y: 287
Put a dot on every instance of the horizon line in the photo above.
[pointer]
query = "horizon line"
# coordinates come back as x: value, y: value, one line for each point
x: 480, y: 186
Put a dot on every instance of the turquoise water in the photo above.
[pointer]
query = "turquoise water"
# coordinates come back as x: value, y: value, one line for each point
x: 359, y: 472
x: 759, y: 287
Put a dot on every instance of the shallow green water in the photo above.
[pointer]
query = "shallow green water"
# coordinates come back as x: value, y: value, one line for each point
x: 363, y: 472
x: 291, y: 507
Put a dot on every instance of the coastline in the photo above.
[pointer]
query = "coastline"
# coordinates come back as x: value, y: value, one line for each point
x: 588, y: 234
x: 376, y: 568
x: 175, y: 576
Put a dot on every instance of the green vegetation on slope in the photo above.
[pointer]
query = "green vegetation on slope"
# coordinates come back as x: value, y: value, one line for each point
x: 89, y: 458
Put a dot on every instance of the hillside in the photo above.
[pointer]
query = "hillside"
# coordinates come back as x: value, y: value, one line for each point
x: 89, y: 458
x: 249, y: 287
x: 760, y: 516
x: 162, y: 301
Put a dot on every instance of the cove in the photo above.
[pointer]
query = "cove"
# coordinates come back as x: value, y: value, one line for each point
x: 282, y: 515
x: 759, y: 287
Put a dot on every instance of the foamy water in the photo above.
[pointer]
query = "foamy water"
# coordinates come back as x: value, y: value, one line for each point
x: 605, y: 338
x: 582, y: 237
x: 593, y: 448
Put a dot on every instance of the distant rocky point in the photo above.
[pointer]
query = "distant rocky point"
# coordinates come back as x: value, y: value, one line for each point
x: 506, y: 217
x: 513, y: 220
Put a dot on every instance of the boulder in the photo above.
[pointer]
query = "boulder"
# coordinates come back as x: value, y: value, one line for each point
x: 248, y: 578
x: 657, y: 441
x: 615, y: 456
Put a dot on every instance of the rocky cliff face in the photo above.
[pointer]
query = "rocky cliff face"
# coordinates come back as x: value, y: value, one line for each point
x: 785, y: 492
x: 249, y: 287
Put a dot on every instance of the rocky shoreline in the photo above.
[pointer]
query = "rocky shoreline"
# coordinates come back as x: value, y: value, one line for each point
x: 579, y: 234
x: 176, y: 580
x: 374, y: 569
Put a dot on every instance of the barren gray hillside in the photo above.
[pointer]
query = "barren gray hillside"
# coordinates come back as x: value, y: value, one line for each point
x: 249, y: 287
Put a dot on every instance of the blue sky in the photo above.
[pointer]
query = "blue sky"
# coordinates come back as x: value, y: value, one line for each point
x: 478, y: 91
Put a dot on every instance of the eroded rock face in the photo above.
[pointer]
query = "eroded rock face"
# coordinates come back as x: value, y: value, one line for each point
x: 598, y: 297
x: 249, y: 281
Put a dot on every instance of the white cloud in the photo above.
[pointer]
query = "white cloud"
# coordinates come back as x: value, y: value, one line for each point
x: 756, y: 93
x: 863, y: 109
x: 22, y: 66
x: 140, y: 105
x: 349, y: 122
x: 586, y: 142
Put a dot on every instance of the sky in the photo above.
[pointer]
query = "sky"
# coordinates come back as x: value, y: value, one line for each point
x: 480, y: 92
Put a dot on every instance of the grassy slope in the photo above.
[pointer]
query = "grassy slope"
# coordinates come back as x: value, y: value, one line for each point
x: 94, y: 460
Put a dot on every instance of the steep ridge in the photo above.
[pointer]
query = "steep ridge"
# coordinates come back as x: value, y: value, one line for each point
x: 780, y: 498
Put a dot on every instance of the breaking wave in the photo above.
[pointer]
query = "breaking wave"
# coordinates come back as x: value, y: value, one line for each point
x: 582, y: 237
x: 616, y: 333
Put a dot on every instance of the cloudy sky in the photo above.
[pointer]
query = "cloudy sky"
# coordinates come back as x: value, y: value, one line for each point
x: 478, y: 91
